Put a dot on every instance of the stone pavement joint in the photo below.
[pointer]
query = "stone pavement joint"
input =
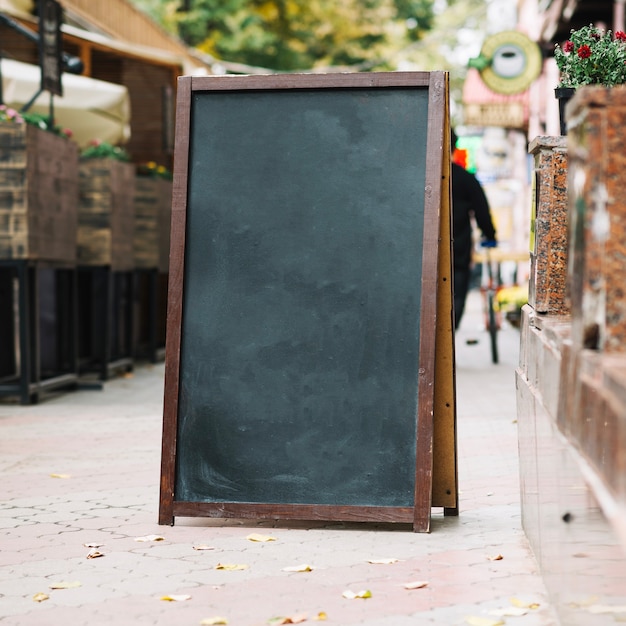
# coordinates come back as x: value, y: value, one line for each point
x: 107, y: 443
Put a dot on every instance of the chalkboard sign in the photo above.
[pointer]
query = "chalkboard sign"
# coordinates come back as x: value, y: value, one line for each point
x: 303, y: 297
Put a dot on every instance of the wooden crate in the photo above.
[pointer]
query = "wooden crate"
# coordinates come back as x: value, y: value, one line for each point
x: 147, y: 208
x: 106, y: 213
x: 38, y: 194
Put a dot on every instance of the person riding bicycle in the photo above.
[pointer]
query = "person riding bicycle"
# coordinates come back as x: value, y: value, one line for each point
x: 468, y: 202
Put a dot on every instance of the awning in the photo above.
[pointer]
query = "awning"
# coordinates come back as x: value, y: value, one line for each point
x: 90, y: 108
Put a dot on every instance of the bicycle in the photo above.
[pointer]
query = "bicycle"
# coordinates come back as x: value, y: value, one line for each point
x: 489, y: 286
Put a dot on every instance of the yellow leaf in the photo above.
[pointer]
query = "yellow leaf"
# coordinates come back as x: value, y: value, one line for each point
x: 350, y: 595
x: 257, y: 537
x: 383, y: 561
x: 65, y: 585
x: 41, y: 597
x: 231, y: 566
x: 418, y: 584
x: 94, y: 554
x: 178, y: 598
x: 294, y: 619
x: 213, y: 621
x: 483, y: 621
x: 60, y: 476
x: 497, y: 557
x: 321, y: 617
x: 298, y: 568
x: 150, y: 538
x: 203, y: 547
x: 524, y: 605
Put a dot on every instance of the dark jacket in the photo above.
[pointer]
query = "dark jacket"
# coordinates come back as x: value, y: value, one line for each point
x: 468, y: 200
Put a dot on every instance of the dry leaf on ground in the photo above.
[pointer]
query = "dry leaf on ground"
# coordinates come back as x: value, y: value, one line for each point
x: 523, y: 605
x: 93, y: 545
x: 383, y: 561
x: 40, y: 597
x: 416, y: 584
x: 176, y: 598
x: 257, y: 537
x: 293, y: 619
x: 60, y: 476
x: 350, y: 595
x: 213, y: 621
x: 150, y: 538
x: 94, y: 554
x: 231, y: 566
x: 497, y: 557
x: 65, y: 585
x: 299, y: 568
x: 203, y: 547
x: 320, y: 617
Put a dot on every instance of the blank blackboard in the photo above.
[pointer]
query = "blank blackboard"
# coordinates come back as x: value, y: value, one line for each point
x: 303, y: 297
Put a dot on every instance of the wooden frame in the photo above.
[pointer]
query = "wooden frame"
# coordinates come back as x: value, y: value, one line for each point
x: 417, y: 512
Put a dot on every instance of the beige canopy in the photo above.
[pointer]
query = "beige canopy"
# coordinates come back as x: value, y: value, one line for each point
x: 90, y: 108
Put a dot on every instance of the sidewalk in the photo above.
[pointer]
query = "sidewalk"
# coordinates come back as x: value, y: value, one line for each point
x: 104, y: 448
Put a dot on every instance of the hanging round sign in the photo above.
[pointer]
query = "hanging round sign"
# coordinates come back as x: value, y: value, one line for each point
x: 509, y: 62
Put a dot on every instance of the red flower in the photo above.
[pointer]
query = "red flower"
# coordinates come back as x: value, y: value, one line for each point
x: 568, y: 46
x: 620, y: 35
x: 584, y: 52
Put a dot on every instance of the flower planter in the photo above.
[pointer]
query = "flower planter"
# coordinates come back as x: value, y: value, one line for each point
x: 106, y: 214
x: 153, y: 198
x: 38, y: 194
x: 563, y: 95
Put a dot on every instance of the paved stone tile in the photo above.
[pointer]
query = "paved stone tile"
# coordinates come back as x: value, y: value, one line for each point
x: 108, y: 443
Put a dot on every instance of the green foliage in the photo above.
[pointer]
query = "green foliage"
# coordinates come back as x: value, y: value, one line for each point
x: 592, y: 56
x: 288, y: 35
x: 103, y: 150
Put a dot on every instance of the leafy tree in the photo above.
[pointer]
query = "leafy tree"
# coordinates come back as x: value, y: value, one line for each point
x: 290, y: 35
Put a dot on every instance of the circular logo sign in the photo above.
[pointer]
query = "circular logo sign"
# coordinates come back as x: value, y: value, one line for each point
x: 511, y: 62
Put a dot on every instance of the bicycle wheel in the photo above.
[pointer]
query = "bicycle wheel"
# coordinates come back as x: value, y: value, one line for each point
x: 493, y: 327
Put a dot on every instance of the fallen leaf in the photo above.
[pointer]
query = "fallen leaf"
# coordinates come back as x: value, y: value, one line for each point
x: 497, y: 557
x: 350, y: 595
x: 150, y: 538
x: 60, y: 476
x: 40, y: 597
x: 483, y: 621
x: 203, y: 547
x: 298, y: 568
x: 94, y: 554
x: 417, y: 584
x: 257, y: 537
x: 320, y: 617
x: 231, y: 566
x: 524, y: 605
x: 213, y: 621
x: 65, y: 585
x: 599, y: 609
x: 511, y: 611
x: 176, y: 598
x: 382, y: 561
x: 93, y: 545
x: 293, y: 619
